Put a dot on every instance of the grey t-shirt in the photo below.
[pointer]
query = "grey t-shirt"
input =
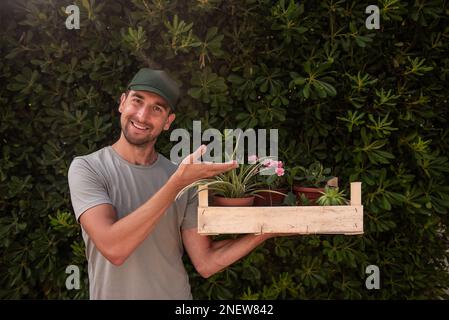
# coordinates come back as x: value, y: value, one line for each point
x: 155, y: 269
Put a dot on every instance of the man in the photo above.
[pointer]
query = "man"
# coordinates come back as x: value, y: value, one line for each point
x: 124, y: 198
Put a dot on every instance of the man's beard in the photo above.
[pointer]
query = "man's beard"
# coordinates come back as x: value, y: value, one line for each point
x: 138, y: 141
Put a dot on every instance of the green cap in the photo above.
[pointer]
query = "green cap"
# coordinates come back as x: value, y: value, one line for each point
x: 156, y: 81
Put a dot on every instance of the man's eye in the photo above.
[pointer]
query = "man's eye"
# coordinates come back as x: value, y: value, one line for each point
x: 157, y: 108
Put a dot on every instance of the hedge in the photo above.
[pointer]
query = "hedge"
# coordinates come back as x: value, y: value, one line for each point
x: 370, y: 104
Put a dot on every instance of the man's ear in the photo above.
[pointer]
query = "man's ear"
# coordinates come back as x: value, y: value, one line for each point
x: 122, y: 102
x: 169, y: 121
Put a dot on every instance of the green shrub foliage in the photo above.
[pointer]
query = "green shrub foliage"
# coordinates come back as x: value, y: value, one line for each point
x: 370, y: 104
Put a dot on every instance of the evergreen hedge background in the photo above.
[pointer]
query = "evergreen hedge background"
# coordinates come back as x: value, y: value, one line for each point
x: 370, y: 104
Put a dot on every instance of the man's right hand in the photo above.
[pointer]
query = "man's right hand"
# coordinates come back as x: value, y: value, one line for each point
x: 192, y: 169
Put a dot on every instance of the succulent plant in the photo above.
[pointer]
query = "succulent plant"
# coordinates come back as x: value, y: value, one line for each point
x: 332, y: 196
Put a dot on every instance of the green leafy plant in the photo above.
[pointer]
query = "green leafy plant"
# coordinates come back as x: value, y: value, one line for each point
x: 332, y: 197
x: 313, y: 176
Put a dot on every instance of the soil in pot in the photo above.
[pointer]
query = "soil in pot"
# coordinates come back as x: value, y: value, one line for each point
x: 233, y: 202
x: 270, y: 199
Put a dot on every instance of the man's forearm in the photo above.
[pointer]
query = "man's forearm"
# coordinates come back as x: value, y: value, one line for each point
x: 226, y: 252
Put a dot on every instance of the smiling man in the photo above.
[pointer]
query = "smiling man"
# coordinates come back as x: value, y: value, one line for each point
x: 124, y: 198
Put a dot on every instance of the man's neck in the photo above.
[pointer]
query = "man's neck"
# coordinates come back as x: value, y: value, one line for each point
x: 140, y: 155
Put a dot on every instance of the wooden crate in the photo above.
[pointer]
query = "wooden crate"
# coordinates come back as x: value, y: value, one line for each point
x: 347, y: 219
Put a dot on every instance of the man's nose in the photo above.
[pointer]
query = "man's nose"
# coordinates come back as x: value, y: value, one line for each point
x: 143, y: 115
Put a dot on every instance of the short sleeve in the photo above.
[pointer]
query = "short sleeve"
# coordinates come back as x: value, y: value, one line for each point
x: 87, y: 190
x: 191, y: 212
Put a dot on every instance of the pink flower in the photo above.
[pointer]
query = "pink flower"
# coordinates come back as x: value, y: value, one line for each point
x: 266, y: 163
x: 271, y: 164
x: 252, y: 159
x: 279, y: 171
x: 280, y: 164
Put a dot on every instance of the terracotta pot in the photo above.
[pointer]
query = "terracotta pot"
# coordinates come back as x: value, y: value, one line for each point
x: 270, y: 199
x: 233, y: 202
x: 312, y: 194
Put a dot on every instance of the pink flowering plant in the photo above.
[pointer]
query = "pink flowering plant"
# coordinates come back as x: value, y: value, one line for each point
x: 272, y: 173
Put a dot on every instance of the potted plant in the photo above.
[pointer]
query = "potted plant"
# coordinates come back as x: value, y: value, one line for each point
x: 275, y: 180
x: 312, y: 181
x: 331, y: 196
x: 237, y: 187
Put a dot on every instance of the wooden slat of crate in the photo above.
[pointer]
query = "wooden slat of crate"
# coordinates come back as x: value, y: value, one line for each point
x: 346, y: 220
x: 301, y: 220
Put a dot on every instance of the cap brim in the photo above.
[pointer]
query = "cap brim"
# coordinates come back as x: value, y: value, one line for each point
x: 140, y: 87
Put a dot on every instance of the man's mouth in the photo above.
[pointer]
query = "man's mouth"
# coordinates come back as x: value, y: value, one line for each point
x: 139, y: 126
